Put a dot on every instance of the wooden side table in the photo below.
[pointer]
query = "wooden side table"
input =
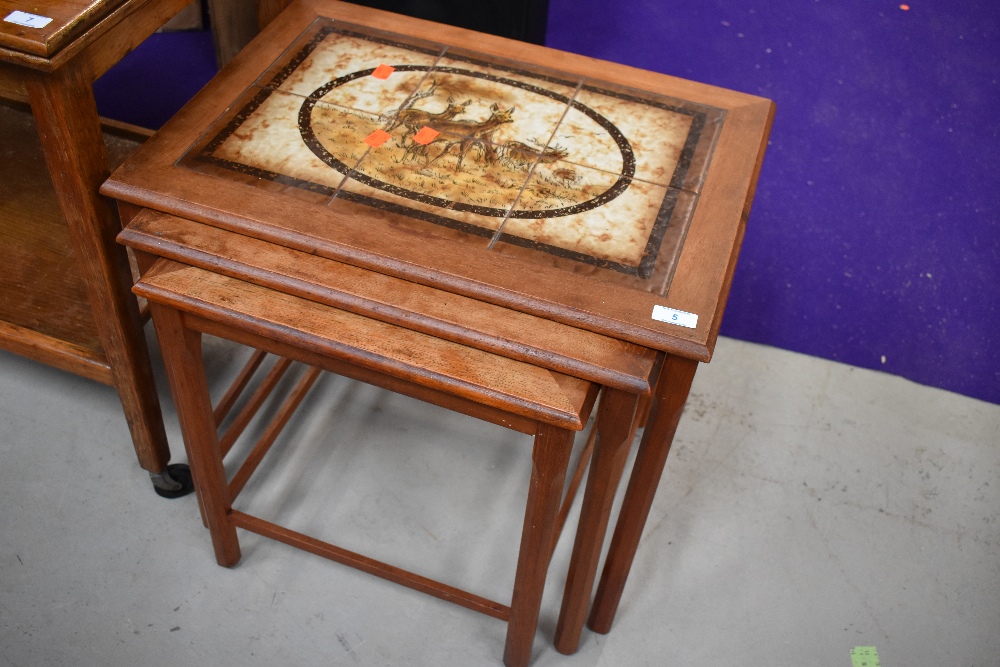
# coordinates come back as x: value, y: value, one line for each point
x: 65, y: 298
x: 595, y: 196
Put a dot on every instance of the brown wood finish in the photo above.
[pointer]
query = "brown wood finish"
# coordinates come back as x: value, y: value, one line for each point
x: 66, y: 114
x: 232, y: 395
x: 436, y: 364
x: 100, y: 40
x: 120, y: 33
x: 11, y: 85
x: 181, y: 349
x: 586, y: 454
x: 70, y: 18
x: 52, y: 69
x: 288, y: 408
x: 182, y: 296
x: 313, y: 251
x: 548, y: 475
x: 372, y: 566
x: 702, y: 276
x: 44, y: 312
x: 453, y: 317
x: 665, y: 413
x: 55, y: 352
x: 616, y: 429
x: 264, y: 389
x: 394, y: 384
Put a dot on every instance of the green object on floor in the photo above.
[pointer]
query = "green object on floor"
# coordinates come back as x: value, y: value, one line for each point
x: 864, y: 656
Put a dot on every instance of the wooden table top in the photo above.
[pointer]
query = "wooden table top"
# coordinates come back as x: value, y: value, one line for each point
x: 69, y: 19
x: 512, y: 173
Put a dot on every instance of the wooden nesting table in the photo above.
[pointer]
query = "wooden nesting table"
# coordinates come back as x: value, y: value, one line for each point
x: 64, y: 282
x: 455, y: 183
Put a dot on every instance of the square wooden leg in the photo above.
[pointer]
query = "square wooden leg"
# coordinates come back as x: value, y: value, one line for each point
x: 548, y: 475
x: 181, y: 349
x: 616, y: 426
x: 665, y: 413
x: 65, y: 112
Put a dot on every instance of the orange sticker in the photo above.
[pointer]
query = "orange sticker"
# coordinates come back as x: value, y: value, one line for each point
x: 377, y: 138
x: 905, y: 8
x: 425, y: 136
x: 383, y: 71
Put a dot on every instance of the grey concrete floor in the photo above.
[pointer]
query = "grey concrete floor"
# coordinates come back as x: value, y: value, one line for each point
x: 807, y: 508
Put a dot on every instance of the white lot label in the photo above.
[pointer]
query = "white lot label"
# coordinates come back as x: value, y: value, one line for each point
x: 27, y: 20
x: 678, y: 317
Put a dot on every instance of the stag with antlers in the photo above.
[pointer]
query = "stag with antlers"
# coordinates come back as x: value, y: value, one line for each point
x: 468, y: 133
x: 413, y: 119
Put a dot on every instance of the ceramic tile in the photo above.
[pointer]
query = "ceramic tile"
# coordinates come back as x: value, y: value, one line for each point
x: 432, y: 185
x: 338, y: 63
x: 372, y: 205
x: 538, y: 98
x: 656, y: 138
x: 630, y: 231
x: 698, y: 154
x: 536, y: 78
x: 336, y: 135
x: 258, y: 141
x: 581, y: 173
x: 507, y: 115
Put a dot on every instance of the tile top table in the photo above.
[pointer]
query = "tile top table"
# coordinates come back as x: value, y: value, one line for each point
x: 537, y: 185
x: 592, y: 194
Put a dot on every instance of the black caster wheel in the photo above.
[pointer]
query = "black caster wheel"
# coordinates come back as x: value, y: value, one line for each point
x: 174, y: 482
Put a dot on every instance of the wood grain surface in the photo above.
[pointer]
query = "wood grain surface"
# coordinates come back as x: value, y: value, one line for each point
x: 450, y: 316
x: 472, y: 374
x: 70, y: 18
x: 43, y: 303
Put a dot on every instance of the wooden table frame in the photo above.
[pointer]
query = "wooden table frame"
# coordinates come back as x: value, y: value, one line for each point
x: 187, y: 302
x: 700, y: 285
x: 53, y: 70
x: 626, y: 372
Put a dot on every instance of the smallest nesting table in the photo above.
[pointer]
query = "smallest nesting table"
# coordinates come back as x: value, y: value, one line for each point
x: 580, y: 217
x: 186, y: 301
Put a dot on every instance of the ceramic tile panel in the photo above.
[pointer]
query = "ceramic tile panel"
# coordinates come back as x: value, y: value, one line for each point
x: 436, y: 182
x: 583, y: 174
x: 641, y: 255
x: 347, y: 65
x: 399, y: 209
x: 671, y: 139
x: 588, y: 212
x: 258, y: 142
x: 537, y: 98
x: 534, y: 77
x: 336, y: 135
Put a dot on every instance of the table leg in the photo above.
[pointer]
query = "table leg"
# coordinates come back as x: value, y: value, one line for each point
x: 668, y: 402
x: 615, y: 429
x: 548, y: 475
x: 65, y: 112
x: 181, y: 349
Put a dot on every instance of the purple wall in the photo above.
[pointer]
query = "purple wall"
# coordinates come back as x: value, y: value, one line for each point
x: 874, y: 237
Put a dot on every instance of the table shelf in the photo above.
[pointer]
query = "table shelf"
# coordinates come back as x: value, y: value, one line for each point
x: 44, y: 311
